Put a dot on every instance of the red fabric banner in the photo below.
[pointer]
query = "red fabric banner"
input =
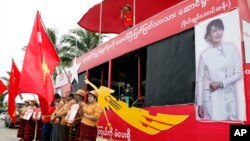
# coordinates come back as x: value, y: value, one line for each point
x: 111, y: 11
x: 40, y: 61
x: 2, y: 87
x: 13, y: 91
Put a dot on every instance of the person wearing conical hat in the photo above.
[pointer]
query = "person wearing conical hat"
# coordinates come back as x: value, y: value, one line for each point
x: 30, y: 125
x: 75, y: 124
x: 20, y: 132
x: 91, y: 114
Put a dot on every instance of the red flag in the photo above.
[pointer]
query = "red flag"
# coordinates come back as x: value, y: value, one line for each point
x: 13, y: 91
x: 2, y: 87
x: 39, y: 64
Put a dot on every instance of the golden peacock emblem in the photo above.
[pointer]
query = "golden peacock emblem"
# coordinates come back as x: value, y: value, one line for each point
x: 141, y: 118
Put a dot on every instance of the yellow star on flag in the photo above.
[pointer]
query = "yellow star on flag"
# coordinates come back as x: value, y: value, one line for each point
x: 45, y: 69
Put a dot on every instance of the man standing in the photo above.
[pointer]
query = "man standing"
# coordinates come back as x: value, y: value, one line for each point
x: 127, y: 16
x: 61, y: 114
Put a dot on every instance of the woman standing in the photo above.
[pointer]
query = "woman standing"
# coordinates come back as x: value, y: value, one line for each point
x: 29, y: 129
x: 20, y: 132
x: 74, y: 125
x: 92, y: 111
x: 218, y: 70
x: 37, y: 117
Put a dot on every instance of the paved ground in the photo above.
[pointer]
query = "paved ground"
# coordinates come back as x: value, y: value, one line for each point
x: 7, y: 134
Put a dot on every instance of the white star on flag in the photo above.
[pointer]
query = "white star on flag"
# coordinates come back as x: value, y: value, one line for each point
x: 74, y: 71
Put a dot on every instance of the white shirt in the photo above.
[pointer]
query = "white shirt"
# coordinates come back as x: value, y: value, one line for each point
x: 221, y: 64
x: 218, y: 64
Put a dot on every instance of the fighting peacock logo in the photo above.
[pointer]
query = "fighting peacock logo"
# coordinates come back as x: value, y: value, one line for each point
x: 141, y: 118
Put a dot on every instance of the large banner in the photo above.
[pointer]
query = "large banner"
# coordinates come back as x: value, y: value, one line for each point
x: 246, y: 37
x: 246, y: 40
x: 219, y: 73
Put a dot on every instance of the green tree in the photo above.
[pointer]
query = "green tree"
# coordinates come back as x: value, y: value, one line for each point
x: 77, y: 42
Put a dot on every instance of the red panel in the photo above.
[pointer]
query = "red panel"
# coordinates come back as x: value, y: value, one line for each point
x: 190, y: 129
x: 247, y: 89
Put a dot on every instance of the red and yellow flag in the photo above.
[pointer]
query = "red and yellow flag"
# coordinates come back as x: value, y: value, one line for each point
x: 39, y: 64
x: 13, y: 90
x: 2, y: 87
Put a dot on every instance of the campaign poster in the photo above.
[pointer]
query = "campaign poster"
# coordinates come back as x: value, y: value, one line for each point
x: 219, y: 73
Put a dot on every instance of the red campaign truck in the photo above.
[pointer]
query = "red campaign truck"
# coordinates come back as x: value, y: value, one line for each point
x: 159, y: 58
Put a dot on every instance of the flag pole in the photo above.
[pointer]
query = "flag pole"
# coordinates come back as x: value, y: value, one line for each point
x: 134, y: 12
x: 75, y: 58
x: 100, y: 24
x: 35, y: 99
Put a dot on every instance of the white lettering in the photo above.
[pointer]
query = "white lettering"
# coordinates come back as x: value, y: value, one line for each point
x: 247, y: 71
x: 223, y: 6
x: 243, y: 131
x: 109, y: 132
x: 237, y: 132
x: 240, y: 132
x: 204, y: 3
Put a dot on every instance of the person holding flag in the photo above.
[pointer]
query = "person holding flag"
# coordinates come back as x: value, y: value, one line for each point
x: 23, y: 110
x: 30, y: 125
x: 47, y: 125
x: 39, y: 64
